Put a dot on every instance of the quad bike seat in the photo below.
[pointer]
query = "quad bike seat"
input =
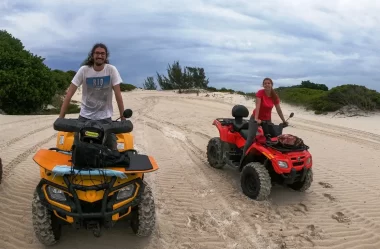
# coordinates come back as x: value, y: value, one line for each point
x: 240, y: 125
x: 74, y: 125
x: 271, y: 130
x: 239, y: 112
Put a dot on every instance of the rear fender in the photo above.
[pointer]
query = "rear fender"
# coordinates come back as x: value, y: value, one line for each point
x: 224, y: 130
x: 139, y: 163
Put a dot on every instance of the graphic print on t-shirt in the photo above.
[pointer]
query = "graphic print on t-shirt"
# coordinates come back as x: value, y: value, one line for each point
x: 97, y: 92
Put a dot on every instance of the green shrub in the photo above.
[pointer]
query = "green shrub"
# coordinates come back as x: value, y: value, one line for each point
x: 127, y: 87
x: 322, y: 101
x: 26, y: 83
x: 72, y: 109
x: 300, y: 96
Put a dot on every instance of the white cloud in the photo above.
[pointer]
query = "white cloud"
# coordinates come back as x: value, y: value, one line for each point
x: 237, y: 42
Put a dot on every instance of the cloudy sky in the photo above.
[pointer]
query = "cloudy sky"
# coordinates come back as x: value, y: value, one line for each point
x: 237, y: 42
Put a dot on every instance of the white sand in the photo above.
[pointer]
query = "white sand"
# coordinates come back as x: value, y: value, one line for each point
x: 201, y: 207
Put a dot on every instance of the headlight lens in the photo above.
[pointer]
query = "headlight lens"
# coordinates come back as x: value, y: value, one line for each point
x: 308, y: 161
x: 56, y: 194
x: 126, y: 192
x: 283, y: 164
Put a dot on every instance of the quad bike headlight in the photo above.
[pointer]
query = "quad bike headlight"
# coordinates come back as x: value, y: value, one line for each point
x: 126, y: 192
x: 283, y: 164
x: 308, y: 161
x: 56, y: 194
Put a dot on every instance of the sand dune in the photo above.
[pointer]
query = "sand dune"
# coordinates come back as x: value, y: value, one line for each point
x: 201, y: 207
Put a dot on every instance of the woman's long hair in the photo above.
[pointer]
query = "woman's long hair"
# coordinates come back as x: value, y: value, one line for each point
x: 90, y: 58
x: 273, y: 93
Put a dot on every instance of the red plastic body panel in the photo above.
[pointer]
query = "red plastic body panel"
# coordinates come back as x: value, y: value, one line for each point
x: 296, y: 160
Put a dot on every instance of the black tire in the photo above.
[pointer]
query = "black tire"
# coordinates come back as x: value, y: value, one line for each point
x: 215, y: 153
x: 305, y: 184
x: 255, y: 181
x: 145, y: 221
x: 45, y: 224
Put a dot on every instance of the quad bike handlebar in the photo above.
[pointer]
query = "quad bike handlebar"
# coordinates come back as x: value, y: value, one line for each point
x: 116, y: 127
x: 271, y: 129
x: 282, y: 125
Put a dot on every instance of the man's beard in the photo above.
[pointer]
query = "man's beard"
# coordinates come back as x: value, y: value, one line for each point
x: 99, y: 62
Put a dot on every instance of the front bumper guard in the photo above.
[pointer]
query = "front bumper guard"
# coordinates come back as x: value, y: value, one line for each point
x: 106, y: 210
x: 295, y: 175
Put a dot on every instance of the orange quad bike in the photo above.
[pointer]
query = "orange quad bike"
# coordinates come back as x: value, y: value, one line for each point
x: 273, y: 157
x: 87, y: 185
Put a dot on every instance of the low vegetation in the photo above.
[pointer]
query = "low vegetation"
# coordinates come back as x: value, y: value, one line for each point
x: 28, y: 86
x: 186, y: 80
x: 125, y: 87
x: 320, y: 99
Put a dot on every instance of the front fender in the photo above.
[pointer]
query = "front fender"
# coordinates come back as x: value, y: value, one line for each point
x: 256, y: 149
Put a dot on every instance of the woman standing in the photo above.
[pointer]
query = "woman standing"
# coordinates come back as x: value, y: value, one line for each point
x: 265, y: 100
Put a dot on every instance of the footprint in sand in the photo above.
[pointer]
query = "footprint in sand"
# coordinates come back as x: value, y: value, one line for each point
x: 330, y: 197
x: 340, y: 217
x: 325, y: 184
x: 300, y: 207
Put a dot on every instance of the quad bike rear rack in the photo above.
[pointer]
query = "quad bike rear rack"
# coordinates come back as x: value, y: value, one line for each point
x: 276, y: 146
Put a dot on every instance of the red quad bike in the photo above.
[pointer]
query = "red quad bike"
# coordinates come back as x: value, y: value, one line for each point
x: 269, y: 160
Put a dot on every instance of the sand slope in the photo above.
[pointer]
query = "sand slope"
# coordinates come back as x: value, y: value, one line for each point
x: 201, y: 207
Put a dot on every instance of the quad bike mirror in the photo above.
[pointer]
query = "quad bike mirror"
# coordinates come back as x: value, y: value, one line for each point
x: 127, y: 113
x: 290, y: 116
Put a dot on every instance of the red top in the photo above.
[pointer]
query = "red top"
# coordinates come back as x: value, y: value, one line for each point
x: 266, y: 106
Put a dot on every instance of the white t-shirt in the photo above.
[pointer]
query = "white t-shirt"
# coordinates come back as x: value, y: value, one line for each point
x: 97, y: 90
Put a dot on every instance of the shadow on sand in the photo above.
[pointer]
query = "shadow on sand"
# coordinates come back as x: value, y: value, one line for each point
x: 120, y: 236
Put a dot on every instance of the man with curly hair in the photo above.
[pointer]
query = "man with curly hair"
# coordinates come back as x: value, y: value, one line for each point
x: 98, y: 78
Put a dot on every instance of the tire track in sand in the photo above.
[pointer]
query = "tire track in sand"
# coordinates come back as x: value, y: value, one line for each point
x: 182, y: 222
x: 303, y: 228
x: 22, y: 156
x: 341, y: 129
x: 299, y: 231
x: 343, y: 135
x: 16, y: 139
x: 232, y: 224
x: 16, y: 192
x: 20, y: 121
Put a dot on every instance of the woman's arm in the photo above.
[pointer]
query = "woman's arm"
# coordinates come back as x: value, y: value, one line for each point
x: 279, y: 111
